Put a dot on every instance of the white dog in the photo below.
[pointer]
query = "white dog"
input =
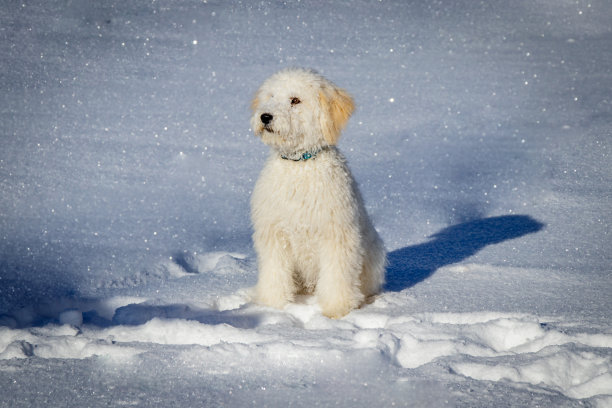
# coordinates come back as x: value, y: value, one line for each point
x: 311, y: 231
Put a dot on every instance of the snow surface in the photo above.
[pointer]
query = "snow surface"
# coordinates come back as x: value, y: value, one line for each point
x: 481, y: 143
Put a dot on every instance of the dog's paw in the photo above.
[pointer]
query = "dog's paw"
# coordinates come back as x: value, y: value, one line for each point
x: 336, y: 314
x: 335, y: 309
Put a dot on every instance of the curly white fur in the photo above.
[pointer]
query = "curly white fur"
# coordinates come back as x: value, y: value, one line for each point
x: 311, y: 231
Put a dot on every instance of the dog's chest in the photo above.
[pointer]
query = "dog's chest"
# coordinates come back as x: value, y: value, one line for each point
x: 300, y: 195
x: 298, y: 189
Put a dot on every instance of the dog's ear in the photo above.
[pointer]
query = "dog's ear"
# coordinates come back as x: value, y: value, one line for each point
x: 336, y: 108
x: 255, y: 102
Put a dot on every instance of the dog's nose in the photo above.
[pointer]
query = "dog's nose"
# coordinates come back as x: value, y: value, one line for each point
x: 266, y: 118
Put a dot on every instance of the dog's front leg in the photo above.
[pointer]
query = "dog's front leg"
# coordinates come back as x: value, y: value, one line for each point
x: 338, y: 287
x: 275, y: 285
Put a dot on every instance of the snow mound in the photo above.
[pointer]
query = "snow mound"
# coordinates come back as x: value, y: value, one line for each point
x: 570, y: 370
x: 58, y: 342
x: 178, y: 331
x: 185, y: 263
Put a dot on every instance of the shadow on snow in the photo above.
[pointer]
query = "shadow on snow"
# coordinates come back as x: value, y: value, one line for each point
x: 413, y: 264
x: 137, y: 314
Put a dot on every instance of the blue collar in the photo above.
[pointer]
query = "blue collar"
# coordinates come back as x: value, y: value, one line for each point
x: 304, y: 156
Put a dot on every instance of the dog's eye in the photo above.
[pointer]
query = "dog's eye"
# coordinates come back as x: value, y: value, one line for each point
x: 295, y: 101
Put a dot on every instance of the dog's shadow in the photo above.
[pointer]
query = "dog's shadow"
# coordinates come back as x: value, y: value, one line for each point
x: 413, y: 264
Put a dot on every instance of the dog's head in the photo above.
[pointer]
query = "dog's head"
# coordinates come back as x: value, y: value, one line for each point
x: 298, y: 109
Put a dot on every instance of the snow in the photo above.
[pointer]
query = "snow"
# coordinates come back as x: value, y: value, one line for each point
x: 481, y: 143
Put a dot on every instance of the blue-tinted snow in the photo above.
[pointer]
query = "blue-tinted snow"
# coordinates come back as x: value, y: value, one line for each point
x: 481, y: 143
